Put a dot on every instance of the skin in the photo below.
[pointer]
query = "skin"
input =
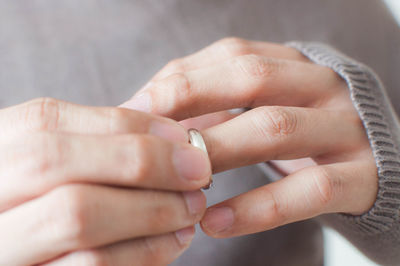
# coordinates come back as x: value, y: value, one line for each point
x: 86, y: 185
x: 301, y: 119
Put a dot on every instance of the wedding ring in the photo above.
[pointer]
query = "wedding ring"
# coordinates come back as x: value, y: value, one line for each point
x: 196, y: 139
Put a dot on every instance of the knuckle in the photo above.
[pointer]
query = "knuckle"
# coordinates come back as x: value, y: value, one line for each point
x: 325, y: 185
x: 69, y: 213
x: 182, y: 85
x: 175, y: 66
x: 137, y: 166
x: 277, y: 121
x: 234, y: 46
x: 42, y: 114
x: 162, y: 213
x: 278, y: 210
x: 47, y: 151
x: 256, y: 66
x: 181, y: 91
x: 173, y: 94
x: 118, y: 120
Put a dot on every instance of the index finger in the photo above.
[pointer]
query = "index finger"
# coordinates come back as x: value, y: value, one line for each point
x: 245, y: 81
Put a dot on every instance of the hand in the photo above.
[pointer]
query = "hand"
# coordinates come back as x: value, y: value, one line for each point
x: 100, y: 186
x: 298, y: 110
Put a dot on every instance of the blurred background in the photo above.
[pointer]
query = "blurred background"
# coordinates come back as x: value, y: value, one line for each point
x: 338, y: 251
x: 394, y: 5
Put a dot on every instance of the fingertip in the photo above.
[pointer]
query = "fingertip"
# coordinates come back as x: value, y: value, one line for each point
x: 196, y: 203
x: 192, y: 164
x: 185, y: 236
x: 140, y: 102
x: 217, y: 220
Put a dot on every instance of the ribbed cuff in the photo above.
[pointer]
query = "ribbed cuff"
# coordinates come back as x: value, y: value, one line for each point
x: 382, y: 127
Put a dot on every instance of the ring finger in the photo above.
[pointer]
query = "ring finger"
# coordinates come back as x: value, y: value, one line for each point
x: 282, y: 133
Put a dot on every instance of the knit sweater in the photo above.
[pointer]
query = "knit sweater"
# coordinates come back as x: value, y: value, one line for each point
x: 375, y: 232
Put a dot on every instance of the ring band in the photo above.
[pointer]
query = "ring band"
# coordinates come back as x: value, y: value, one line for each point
x: 196, y: 139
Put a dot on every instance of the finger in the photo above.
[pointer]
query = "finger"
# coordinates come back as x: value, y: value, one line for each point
x: 282, y: 133
x: 208, y: 120
x: 75, y: 217
x: 246, y: 81
x: 46, y: 114
x: 225, y: 49
x: 286, y: 167
x: 43, y: 161
x: 155, y: 251
x: 302, y: 195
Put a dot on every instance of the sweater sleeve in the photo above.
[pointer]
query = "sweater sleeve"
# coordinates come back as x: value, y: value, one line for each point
x: 377, y: 232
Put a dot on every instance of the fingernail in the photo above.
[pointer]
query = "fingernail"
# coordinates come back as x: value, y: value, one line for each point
x: 195, y: 201
x: 218, y: 219
x: 169, y: 131
x: 140, y: 102
x: 185, y: 235
x: 191, y: 163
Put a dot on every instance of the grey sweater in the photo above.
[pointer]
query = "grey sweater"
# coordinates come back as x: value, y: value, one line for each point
x: 375, y: 232
x: 100, y: 52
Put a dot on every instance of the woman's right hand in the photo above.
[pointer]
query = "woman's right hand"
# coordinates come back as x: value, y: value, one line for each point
x: 96, y: 186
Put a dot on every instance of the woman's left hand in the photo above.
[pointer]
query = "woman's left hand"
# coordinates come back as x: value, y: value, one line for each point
x: 299, y: 110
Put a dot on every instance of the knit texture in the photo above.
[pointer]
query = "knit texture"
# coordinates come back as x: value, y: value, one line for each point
x: 377, y: 231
